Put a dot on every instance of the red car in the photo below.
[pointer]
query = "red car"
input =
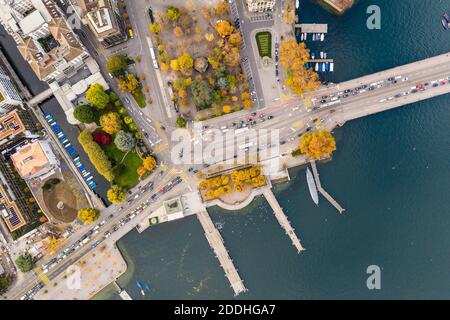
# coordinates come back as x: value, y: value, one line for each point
x: 419, y: 86
x: 442, y: 83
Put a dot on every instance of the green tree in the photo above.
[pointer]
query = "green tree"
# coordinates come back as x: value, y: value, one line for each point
x: 117, y: 65
x: 88, y: 215
x: 97, y: 96
x: 202, y: 94
x: 25, y: 262
x: 181, y: 122
x: 5, y: 281
x: 125, y: 141
x: 96, y: 155
x: 116, y: 194
x: 84, y: 113
x: 173, y: 13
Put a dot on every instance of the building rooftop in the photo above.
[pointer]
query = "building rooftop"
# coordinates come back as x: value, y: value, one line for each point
x: 10, y: 212
x: 34, y: 159
x: 10, y: 125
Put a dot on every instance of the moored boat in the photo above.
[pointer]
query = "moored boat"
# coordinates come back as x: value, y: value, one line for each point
x: 331, y: 66
x: 445, y: 21
x: 312, y: 186
x: 139, y: 285
x: 297, y: 4
x: 322, y: 37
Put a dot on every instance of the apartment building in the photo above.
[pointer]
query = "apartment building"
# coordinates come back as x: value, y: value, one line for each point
x: 9, y: 95
x: 43, y: 37
x: 260, y: 5
x: 104, y: 20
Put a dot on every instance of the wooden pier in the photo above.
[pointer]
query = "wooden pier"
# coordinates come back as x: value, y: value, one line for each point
x: 122, y: 293
x: 322, y: 190
x: 216, y: 242
x: 321, y: 60
x: 282, y: 219
x: 312, y: 27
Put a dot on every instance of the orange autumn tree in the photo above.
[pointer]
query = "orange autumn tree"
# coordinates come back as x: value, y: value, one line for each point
x: 317, y: 144
x: 293, y: 57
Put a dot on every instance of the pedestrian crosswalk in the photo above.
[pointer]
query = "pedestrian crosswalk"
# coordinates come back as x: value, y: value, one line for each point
x: 42, y: 275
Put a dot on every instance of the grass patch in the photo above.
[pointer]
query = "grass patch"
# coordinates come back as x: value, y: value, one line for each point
x: 124, y: 168
x: 140, y: 99
x: 264, y: 42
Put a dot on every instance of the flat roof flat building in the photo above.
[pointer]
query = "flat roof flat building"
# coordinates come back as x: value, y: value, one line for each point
x: 260, y: 5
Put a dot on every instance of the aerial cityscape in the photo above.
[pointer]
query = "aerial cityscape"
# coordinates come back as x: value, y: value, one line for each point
x: 224, y: 149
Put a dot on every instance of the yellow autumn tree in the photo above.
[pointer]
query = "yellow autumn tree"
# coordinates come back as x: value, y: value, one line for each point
x: 149, y: 163
x: 224, y: 28
x: 317, y: 144
x: 227, y: 108
x: 88, y: 215
x: 293, y: 57
x: 111, y: 122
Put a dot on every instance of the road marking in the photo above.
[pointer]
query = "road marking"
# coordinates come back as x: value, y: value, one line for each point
x: 163, y: 167
x: 42, y: 275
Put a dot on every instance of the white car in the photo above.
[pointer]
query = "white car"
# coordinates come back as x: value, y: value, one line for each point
x: 383, y: 100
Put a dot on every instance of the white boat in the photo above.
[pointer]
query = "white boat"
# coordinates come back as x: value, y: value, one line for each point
x: 297, y: 4
x: 312, y: 186
x: 301, y: 37
x: 332, y: 67
x: 316, y: 67
x: 324, y: 55
x: 306, y: 36
x: 321, y: 54
x: 322, y: 37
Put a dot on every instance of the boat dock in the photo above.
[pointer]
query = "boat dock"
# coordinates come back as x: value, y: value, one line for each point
x: 321, y: 60
x: 322, y: 191
x: 313, y: 27
x: 122, y: 293
x: 282, y: 219
x: 216, y: 242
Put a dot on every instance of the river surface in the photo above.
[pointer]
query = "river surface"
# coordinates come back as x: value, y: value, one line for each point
x: 391, y: 173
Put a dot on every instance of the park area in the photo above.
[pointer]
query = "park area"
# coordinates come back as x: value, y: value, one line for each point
x: 264, y: 42
x: 112, y: 141
x: 197, y: 50
x: 232, y: 186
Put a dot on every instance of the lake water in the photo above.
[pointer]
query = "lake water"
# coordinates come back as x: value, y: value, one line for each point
x: 391, y: 173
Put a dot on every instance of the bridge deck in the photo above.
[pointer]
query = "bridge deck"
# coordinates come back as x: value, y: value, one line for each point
x: 282, y: 219
x: 216, y: 242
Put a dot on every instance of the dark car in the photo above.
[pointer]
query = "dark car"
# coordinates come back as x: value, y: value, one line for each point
x: 391, y: 79
x: 348, y: 91
x: 371, y: 88
x: 270, y: 117
x: 323, y: 101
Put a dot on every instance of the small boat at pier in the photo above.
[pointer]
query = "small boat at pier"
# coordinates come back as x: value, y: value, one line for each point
x: 297, y: 4
x: 445, y: 21
x: 312, y: 186
x: 139, y: 285
x: 327, y: 67
x: 331, y: 66
x: 316, y: 67
x: 322, y: 37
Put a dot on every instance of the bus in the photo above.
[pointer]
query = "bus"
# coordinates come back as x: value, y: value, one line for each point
x: 130, y: 31
x: 155, y: 62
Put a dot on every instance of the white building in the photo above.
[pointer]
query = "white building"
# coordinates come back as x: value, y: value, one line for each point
x: 9, y: 96
x: 43, y: 37
x: 260, y: 5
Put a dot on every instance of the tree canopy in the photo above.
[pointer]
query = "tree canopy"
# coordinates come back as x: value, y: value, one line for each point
x: 173, y: 13
x: 116, y: 194
x: 125, y: 141
x: 97, y: 96
x: 5, y: 281
x: 117, y: 65
x: 96, y: 155
x: 224, y: 28
x: 317, y: 144
x: 149, y: 163
x: 88, y: 215
x: 181, y: 122
x: 293, y: 57
x: 202, y: 94
x: 111, y: 122
x: 25, y: 262
x: 84, y: 113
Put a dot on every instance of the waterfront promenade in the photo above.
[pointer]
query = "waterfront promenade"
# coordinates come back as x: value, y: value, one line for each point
x: 216, y: 242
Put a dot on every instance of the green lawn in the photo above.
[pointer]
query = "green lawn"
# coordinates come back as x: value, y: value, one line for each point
x: 140, y: 99
x: 264, y: 41
x: 124, y: 170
